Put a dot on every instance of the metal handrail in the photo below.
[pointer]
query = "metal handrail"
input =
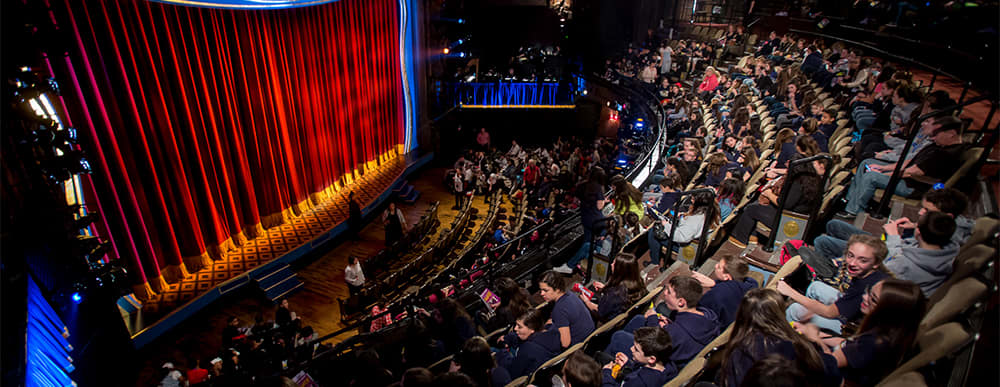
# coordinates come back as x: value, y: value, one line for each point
x: 676, y: 214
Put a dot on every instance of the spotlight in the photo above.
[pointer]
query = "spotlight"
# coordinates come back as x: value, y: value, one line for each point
x: 77, y: 297
x: 461, y: 21
x: 460, y: 41
x: 446, y: 50
x: 461, y: 55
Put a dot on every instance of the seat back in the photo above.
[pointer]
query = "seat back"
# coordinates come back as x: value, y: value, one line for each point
x: 545, y: 368
x: 985, y: 230
x: 518, y: 382
x: 786, y: 269
x: 967, y: 264
x: 934, y: 344
x: 698, y: 362
x: 792, y: 226
x: 954, y: 300
x: 969, y: 159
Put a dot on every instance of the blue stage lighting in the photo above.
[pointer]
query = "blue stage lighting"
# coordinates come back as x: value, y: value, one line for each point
x: 461, y: 55
x: 460, y: 41
x: 76, y: 297
x: 461, y: 21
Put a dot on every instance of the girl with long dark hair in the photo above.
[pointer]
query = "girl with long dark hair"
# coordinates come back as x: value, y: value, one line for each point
x: 624, y: 288
x: 475, y: 360
x: 893, y: 310
x: 760, y: 329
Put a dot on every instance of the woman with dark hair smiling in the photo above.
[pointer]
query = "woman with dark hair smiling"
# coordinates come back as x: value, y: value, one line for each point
x: 893, y: 309
x: 529, y: 344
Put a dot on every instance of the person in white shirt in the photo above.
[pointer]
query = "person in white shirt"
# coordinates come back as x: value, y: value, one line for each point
x: 353, y: 275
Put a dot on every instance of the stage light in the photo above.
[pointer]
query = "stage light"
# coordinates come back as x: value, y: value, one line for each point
x: 446, y: 50
x: 461, y: 55
x: 460, y: 41
x: 461, y: 21
x: 77, y: 297
x: 584, y: 92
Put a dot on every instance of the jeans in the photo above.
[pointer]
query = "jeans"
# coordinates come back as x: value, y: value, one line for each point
x: 584, y: 249
x: 820, y: 292
x: 865, y: 183
x: 833, y: 243
x: 655, y: 245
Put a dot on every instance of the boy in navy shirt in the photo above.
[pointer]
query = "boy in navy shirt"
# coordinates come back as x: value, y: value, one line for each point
x: 692, y: 328
x: 727, y: 285
x: 826, y: 123
x: 650, y: 351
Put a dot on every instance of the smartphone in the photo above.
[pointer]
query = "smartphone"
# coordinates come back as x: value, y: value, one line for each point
x: 868, y: 168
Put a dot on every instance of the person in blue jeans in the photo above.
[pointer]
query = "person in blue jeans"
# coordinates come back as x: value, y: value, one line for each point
x: 937, y: 161
x: 829, y: 307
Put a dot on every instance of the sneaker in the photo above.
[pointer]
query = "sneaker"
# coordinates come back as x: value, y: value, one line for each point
x: 563, y: 269
x: 847, y: 216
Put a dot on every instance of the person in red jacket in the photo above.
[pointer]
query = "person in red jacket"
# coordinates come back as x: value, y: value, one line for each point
x: 531, y: 173
x: 710, y: 82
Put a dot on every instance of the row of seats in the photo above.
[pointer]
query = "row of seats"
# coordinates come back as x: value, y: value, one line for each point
x: 399, y: 278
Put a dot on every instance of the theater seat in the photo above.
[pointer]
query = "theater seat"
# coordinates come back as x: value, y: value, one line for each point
x: 697, y: 364
x: 934, y: 344
x: 954, y: 300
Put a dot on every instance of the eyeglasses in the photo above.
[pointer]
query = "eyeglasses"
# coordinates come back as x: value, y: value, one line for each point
x: 872, y: 298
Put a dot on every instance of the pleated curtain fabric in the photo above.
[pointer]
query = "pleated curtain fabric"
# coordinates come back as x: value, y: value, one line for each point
x: 206, y: 126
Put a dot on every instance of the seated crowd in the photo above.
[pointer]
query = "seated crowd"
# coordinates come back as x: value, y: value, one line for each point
x: 740, y: 133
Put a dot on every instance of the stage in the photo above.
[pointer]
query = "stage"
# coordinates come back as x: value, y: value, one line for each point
x: 282, y: 245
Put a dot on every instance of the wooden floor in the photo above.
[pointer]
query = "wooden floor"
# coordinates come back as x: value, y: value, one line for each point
x: 315, y: 304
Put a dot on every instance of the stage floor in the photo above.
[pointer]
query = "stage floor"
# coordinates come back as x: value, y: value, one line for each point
x: 277, y: 241
x: 316, y: 304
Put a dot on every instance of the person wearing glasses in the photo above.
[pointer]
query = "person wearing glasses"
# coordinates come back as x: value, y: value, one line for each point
x: 893, y: 309
x: 828, y: 307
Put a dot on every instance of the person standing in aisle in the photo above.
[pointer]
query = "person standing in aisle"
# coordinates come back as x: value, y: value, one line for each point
x: 353, y: 275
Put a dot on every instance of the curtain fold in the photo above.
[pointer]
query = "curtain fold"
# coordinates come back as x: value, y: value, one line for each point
x: 206, y: 126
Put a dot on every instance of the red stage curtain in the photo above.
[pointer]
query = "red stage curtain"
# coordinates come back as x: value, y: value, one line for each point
x: 205, y: 126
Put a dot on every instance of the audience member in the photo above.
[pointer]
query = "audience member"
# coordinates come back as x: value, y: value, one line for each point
x: 829, y: 307
x: 476, y: 360
x: 936, y: 161
x: 928, y: 262
x: 569, y: 315
x: 759, y: 330
x: 727, y: 285
x: 624, y: 288
x: 651, y: 354
x: 893, y: 309
x: 692, y: 328
x: 528, y: 345
x: 581, y: 370
x: 703, y: 212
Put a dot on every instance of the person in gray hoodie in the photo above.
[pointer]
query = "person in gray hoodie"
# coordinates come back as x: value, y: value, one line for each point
x: 948, y: 200
x: 927, y: 258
